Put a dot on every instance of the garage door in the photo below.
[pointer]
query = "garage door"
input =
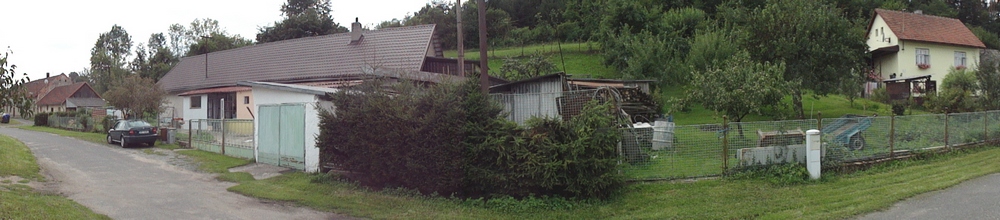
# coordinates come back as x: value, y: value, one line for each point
x: 282, y: 135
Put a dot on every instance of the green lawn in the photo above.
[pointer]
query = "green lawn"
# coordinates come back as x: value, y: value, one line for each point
x: 581, y: 59
x: 837, y: 196
x: 213, y: 162
x: 18, y: 201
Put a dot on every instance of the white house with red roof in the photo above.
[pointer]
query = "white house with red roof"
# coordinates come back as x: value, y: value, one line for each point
x: 909, y: 47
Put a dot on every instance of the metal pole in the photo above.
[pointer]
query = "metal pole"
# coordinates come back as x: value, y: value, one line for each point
x: 986, y: 126
x: 819, y: 122
x: 892, y: 134
x: 461, y: 39
x: 223, y: 136
x: 190, y: 134
x: 483, y: 62
x: 946, y: 128
x: 725, y: 143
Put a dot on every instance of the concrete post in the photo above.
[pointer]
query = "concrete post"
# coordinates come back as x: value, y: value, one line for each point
x: 814, y: 153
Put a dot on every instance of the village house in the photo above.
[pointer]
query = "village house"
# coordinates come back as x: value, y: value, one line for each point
x: 59, y: 93
x: 913, y: 52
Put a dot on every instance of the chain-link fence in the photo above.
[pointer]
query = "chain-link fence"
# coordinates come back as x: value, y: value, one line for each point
x: 233, y: 137
x: 713, y: 149
x: 72, y: 123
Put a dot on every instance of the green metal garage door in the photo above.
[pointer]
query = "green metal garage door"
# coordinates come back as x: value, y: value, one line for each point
x: 282, y: 135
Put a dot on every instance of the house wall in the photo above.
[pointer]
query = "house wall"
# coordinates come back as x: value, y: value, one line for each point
x: 195, y: 113
x: 245, y: 110
x: 880, y: 35
x: 942, y: 59
x: 49, y: 108
x: 264, y: 96
x: 174, y: 107
x: 887, y: 65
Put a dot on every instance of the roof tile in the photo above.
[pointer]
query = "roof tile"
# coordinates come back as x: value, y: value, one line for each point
x: 928, y: 28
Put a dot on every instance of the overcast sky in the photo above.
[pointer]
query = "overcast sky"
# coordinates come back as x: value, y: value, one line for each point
x: 56, y: 36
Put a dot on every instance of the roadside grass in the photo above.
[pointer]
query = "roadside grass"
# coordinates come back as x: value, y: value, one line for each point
x: 99, y: 138
x: 16, y: 159
x: 836, y: 196
x: 19, y: 201
x: 213, y: 162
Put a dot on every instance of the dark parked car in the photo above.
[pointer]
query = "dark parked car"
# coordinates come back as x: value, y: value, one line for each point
x: 127, y: 132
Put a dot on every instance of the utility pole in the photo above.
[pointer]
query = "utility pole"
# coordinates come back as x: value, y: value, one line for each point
x: 461, y: 40
x: 483, y: 63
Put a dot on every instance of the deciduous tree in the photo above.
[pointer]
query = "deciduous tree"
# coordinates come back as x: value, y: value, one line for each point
x: 303, y: 18
x: 739, y: 86
x: 135, y: 96
x: 13, y: 95
x: 109, y: 58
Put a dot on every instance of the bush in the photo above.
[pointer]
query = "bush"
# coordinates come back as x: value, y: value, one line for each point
x: 419, y: 138
x: 898, y: 108
x: 42, y: 119
x: 108, y: 122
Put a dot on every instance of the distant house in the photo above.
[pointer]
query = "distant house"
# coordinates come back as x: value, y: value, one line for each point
x: 912, y: 52
x: 205, y: 86
x: 70, y: 98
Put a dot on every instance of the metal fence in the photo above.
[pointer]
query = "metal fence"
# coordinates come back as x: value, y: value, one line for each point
x: 233, y: 137
x: 72, y: 123
x: 714, y: 149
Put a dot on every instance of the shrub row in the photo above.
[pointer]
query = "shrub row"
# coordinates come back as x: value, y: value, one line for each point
x: 453, y: 140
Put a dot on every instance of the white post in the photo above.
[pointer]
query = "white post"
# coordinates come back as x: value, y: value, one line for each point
x: 814, y: 153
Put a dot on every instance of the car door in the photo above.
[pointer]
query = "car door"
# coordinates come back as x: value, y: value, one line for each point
x: 115, y: 131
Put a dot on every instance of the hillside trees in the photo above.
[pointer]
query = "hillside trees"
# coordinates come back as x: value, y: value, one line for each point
x: 303, y: 18
x: 821, y: 49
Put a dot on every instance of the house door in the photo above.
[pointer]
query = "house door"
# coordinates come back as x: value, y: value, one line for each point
x: 281, y: 135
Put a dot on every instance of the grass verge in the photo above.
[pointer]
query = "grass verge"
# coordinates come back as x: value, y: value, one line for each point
x: 837, y: 196
x: 19, y: 201
x: 99, y: 138
x: 213, y: 162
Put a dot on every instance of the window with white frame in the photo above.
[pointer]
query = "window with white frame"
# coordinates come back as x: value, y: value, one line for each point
x: 923, y: 56
x: 195, y: 102
x: 959, y: 59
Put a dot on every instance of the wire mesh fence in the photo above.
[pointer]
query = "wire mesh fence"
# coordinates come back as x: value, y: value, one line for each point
x: 714, y: 149
x: 233, y: 137
x: 72, y: 123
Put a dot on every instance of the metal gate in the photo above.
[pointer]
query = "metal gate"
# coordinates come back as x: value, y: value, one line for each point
x: 282, y: 135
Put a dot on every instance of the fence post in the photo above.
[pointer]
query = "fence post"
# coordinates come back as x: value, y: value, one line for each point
x: 223, y: 136
x: 892, y: 134
x: 946, y: 145
x: 819, y: 122
x: 190, y: 134
x: 725, y: 144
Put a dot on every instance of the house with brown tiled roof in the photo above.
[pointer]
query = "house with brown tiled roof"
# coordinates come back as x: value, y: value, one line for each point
x: 917, y: 49
x: 69, y: 98
x: 205, y: 86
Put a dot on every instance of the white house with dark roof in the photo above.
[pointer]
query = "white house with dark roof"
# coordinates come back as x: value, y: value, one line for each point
x: 205, y: 86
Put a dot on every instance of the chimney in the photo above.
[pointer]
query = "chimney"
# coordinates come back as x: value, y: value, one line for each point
x: 919, y: 12
x: 46, y: 75
x: 356, y: 31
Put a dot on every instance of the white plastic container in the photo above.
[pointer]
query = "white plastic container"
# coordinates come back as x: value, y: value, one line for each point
x: 663, y: 135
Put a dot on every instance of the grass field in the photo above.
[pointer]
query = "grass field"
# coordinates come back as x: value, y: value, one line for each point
x: 19, y: 201
x: 581, y: 59
x: 836, y: 196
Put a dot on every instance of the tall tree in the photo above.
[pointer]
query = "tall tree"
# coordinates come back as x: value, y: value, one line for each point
x: 303, y: 18
x: 155, y: 59
x: 135, y: 96
x: 739, y: 86
x: 109, y: 58
x: 820, y: 47
x: 13, y: 95
x: 217, y: 42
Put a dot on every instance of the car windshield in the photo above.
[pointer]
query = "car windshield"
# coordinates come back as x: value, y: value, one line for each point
x: 133, y: 124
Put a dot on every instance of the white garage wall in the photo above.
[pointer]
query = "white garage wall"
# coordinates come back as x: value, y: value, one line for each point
x: 198, y: 113
x: 263, y: 96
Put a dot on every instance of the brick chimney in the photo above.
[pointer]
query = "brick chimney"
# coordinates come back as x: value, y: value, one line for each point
x: 356, y: 32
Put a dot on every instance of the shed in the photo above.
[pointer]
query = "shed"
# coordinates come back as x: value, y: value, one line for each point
x: 287, y: 123
x: 559, y: 95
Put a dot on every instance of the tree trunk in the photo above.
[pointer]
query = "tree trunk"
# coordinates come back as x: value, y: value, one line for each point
x: 797, y: 103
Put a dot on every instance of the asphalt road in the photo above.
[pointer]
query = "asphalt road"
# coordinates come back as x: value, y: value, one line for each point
x: 132, y: 184
x: 974, y: 199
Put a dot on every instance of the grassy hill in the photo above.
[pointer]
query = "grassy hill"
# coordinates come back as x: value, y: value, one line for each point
x: 581, y: 59
x: 585, y: 60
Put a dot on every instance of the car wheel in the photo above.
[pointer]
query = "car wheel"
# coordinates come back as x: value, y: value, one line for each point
x: 151, y: 143
x: 123, y: 142
x: 109, y: 139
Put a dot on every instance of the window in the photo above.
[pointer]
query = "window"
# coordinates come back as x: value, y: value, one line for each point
x: 959, y: 59
x: 923, y: 56
x: 246, y: 99
x: 195, y: 102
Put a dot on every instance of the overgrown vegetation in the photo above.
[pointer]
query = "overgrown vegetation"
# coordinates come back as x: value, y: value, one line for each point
x: 467, y: 151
